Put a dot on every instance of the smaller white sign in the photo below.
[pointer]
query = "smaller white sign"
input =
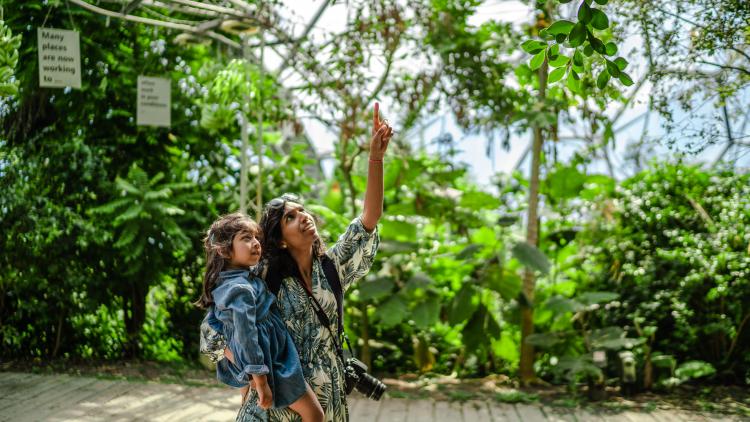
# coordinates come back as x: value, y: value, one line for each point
x: 154, y: 102
x: 59, y: 58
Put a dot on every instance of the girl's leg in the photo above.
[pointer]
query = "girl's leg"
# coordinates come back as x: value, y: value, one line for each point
x: 308, y: 407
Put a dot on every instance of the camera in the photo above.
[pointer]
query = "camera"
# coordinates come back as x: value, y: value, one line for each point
x: 356, y: 376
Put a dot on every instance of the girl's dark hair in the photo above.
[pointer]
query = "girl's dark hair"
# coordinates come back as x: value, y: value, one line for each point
x: 218, y: 247
x: 280, y: 262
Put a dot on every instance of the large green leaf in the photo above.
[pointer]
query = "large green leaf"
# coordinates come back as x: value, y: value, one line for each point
x: 481, y: 329
x: 577, y: 367
x: 375, y: 289
x: 503, y: 281
x: 426, y: 313
x: 464, y: 304
x: 560, y: 27
x: 531, y: 257
x: 694, y: 369
x: 561, y: 305
x: 392, y: 311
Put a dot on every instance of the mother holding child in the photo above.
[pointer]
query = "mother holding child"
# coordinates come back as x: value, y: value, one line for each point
x: 287, y: 346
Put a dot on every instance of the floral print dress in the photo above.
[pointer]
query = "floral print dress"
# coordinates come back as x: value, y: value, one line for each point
x: 353, y: 255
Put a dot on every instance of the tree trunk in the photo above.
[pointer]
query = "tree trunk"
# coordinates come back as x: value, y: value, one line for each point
x: 135, y: 316
x: 526, y: 365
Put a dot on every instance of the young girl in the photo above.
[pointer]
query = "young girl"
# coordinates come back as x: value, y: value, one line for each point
x: 243, y: 310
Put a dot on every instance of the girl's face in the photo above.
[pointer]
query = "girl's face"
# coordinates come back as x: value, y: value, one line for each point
x: 245, y: 250
x: 298, y: 229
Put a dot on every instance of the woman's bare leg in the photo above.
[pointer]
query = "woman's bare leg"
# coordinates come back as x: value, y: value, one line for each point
x: 308, y: 407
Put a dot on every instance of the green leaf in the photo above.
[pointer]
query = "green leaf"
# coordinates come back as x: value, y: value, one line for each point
x: 480, y: 329
x: 578, y: 367
x: 507, y: 220
x: 596, y: 44
x: 589, y: 298
x: 376, y: 289
x: 533, y: 46
x: 694, y: 369
x: 588, y: 50
x: 599, y: 20
x: 602, y: 2
x: 625, y: 79
x: 468, y: 252
x: 531, y: 257
x: 478, y: 200
x: 464, y: 304
x: 553, y: 51
x: 612, y: 68
x: 560, y: 27
x: 418, y: 281
x: 578, y: 58
x: 602, y: 80
x: 565, y: 182
x: 544, y: 340
x: 584, y: 13
x: 392, y: 311
x: 621, y: 63
x: 557, y: 74
x: 610, y: 49
x: 503, y: 281
x: 561, y: 305
x: 560, y: 60
x: 426, y: 313
x: 577, y: 34
x: 536, y: 61
x: 572, y: 82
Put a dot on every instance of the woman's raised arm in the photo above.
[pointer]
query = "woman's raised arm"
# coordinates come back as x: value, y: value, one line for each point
x: 381, y: 136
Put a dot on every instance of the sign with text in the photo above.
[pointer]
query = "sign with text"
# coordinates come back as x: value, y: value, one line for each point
x: 154, y: 101
x: 59, y: 58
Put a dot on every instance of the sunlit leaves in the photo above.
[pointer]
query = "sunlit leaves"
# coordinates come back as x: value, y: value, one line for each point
x: 602, y: 79
x: 533, y: 46
x: 599, y: 20
x: 537, y: 60
x: 556, y: 75
x: 577, y: 35
x: 560, y: 27
x: 584, y: 13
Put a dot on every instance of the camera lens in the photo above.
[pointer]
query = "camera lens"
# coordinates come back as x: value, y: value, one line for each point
x: 370, y: 386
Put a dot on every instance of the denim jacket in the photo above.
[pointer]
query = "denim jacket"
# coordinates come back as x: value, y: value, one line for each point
x: 239, y: 304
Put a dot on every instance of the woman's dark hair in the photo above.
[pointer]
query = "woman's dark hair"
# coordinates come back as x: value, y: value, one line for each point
x: 279, y: 261
x: 218, y: 247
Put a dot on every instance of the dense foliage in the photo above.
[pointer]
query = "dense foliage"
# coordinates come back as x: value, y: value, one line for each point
x: 102, y: 220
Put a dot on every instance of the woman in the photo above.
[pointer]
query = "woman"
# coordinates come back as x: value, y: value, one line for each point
x: 293, y: 253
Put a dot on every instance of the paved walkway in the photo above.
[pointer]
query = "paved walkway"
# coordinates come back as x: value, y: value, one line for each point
x: 29, y: 397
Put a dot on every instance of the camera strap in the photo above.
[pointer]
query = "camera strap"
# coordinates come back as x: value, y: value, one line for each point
x: 325, y: 321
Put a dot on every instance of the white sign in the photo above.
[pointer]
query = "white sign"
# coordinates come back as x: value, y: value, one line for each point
x: 154, y: 101
x: 59, y: 58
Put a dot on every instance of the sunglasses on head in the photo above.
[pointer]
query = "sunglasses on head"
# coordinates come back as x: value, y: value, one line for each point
x: 280, y: 201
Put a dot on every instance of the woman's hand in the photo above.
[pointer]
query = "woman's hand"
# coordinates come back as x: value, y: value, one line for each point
x: 382, y: 133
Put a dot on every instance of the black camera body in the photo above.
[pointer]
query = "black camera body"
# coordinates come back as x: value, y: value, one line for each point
x: 356, y: 376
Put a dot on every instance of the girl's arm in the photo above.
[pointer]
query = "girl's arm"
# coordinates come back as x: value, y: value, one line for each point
x: 246, y: 352
x: 373, y: 206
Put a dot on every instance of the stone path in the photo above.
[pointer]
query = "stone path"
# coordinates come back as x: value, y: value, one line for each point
x: 29, y: 397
